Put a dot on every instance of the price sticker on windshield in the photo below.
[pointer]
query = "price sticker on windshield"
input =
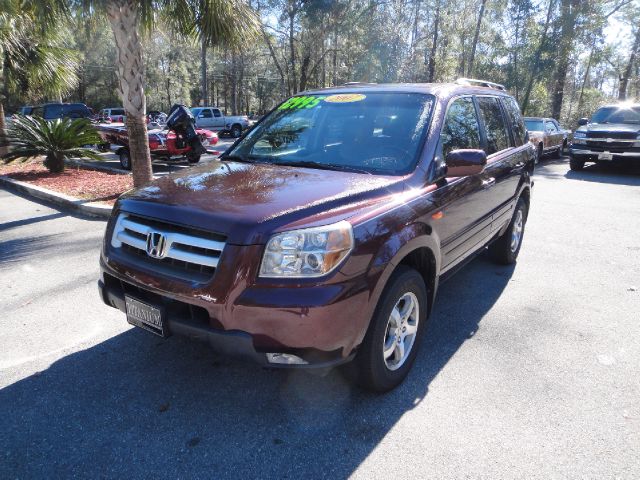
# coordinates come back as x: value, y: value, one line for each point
x: 311, y: 101
x: 296, y: 103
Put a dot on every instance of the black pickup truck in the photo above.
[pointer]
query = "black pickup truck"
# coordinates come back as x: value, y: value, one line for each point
x: 612, y: 135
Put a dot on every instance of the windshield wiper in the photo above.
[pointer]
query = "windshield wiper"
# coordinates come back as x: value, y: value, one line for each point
x: 235, y: 158
x: 323, y: 166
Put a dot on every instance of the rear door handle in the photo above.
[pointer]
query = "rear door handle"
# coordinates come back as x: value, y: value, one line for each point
x: 489, y: 182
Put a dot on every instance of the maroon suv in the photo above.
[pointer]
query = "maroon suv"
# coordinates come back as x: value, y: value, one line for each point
x: 320, y: 236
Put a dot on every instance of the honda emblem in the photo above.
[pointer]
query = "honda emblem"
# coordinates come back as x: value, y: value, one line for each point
x: 156, y: 245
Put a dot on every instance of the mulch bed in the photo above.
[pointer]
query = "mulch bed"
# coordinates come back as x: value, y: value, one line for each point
x: 92, y: 185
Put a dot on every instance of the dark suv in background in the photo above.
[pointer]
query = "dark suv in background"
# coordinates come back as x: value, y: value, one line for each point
x: 53, y: 111
x: 612, y: 135
x: 321, y: 236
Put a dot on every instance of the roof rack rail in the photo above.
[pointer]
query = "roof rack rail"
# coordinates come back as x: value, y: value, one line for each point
x: 356, y: 84
x: 480, y: 83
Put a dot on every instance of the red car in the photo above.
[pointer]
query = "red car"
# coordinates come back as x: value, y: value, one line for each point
x: 164, y: 145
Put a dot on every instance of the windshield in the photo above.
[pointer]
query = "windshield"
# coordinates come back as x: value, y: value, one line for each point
x: 617, y: 115
x: 377, y: 132
x: 534, y: 125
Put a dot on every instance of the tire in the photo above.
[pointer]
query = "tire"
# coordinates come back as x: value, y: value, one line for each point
x: 539, y: 154
x: 193, y: 158
x: 558, y: 153
x: 506, y: 248
x: 104, y: 147
x: 576, y: 165
x: 125, y: 159
x: 563, y: 150
x: 236, y: 131
x: 370, y: 369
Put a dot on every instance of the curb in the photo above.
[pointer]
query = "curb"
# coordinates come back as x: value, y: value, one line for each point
x: 89, y: 208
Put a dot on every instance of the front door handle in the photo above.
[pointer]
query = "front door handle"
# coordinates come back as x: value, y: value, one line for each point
x: 489, y: 182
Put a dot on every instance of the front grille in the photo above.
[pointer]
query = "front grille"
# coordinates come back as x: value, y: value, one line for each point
x: 615, y: 135
x: 183, y: 252
x: 609, y: 145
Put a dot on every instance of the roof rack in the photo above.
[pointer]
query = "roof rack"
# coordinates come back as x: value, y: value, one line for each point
x: 358, y: 84
x: 480, y: 83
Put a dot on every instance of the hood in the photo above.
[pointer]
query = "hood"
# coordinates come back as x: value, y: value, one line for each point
x: 247, y: 202
x: 627, y: 128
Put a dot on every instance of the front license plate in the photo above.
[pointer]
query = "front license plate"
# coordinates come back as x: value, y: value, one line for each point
x: 605, y: 156
x: 145, y: 316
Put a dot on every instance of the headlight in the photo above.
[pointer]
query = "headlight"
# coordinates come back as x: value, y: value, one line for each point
x: 310, y: 252
x: 580, y: 135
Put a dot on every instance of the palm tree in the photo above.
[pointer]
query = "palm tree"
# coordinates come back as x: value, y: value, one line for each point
x: 211, y: 22
x: 31, y: 137
x: 35, y: 62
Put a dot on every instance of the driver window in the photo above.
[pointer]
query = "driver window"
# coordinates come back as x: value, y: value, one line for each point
x: 216, y: 113
x: 550, y: 126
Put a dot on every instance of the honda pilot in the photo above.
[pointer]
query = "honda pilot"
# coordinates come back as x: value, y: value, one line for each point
x: 322, y: 234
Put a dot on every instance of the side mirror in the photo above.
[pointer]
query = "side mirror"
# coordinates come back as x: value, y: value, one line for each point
x: 461, y: 163
x: 583, y: 121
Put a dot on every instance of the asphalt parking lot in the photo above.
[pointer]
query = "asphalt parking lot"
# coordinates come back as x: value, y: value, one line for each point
x: 529, y: 371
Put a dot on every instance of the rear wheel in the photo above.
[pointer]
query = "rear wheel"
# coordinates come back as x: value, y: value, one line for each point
x: 576, y: 165
x: 236, y: 130
x: 104, y: 147
x: 391, y: 344
x: 506, y: 248
x: 125, y: 159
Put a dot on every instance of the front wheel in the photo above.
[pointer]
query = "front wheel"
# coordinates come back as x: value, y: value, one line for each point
x: 506, y: 248
x: 125, y: 159
x: 539, y: 153
x: 390, y: 346
x: 193, y: 158
x: 576, y: 165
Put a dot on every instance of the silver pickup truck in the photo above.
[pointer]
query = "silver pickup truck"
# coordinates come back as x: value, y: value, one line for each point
x: 212, y: 118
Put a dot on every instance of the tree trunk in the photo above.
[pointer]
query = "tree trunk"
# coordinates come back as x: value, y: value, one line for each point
x: 204, y: 94
x: 624, y: 80
x: 54, y: 163
x: 431, y: 66
x: 124, y: 20
x: 294, y: 81
x: 567, y: 34
x: 475, y: 38
x: 534, y: 68
x: 3, y: 126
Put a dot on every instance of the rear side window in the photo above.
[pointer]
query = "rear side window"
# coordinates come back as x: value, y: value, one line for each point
x: 496, y: 130
x: 75, y: 111
x: 461, y: 129
x: 517, y: 123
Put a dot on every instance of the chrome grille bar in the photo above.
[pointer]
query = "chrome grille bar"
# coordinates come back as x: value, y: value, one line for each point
x: 179, y: 246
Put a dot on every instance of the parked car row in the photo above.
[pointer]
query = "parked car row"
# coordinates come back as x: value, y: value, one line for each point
x: 210, y: 118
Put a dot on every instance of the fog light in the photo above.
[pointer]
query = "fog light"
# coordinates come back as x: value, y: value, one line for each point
x: 285, y: 359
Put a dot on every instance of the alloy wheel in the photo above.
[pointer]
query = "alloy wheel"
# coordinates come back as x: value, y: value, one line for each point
x: 401, y: 331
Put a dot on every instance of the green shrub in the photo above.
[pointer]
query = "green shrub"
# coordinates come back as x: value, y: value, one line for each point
x: 30, y: 137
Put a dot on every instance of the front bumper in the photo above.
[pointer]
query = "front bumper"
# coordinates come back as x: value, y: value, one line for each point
x: 584, y: 154
x: 287, y: 330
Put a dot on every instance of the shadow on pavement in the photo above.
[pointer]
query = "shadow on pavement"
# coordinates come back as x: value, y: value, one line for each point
x: 621, y: 174
x: 140, y: 406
